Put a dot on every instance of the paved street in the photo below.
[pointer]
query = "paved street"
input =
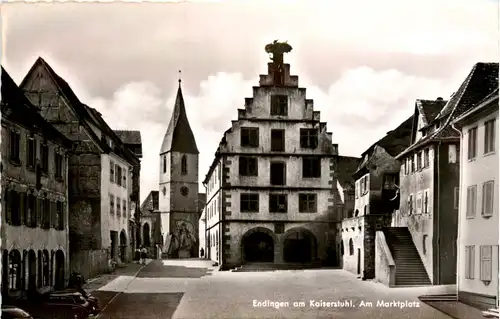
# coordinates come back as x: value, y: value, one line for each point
x: 188, y: 289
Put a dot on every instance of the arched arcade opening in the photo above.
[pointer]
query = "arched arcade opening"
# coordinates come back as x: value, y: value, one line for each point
x: 258, y: 245
x: 299, y: 246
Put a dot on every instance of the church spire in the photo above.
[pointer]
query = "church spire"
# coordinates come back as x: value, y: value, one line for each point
x: 179, y: 136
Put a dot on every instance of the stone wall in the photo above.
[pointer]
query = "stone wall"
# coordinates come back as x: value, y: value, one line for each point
x: 385, y: 268
x: 89, y: 263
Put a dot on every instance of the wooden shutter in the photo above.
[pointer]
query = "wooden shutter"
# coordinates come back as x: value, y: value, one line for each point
x: 486, y: 263
x: 22, y: 208
x: 467, y: 262
x: 8, y: 206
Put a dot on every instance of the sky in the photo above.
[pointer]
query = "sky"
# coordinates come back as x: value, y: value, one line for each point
x: 363, y: 62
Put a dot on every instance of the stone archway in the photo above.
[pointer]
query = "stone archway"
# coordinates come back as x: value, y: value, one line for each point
x: 146, y: 235
x: 60, y: 270
x: 123, y: 245
x: 13, y: 271
x: 257, y: 245
x: 5, y: 272
x: 299, y: 246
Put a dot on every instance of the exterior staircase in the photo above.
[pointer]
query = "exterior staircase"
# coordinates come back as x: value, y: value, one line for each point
x: 410, y: 270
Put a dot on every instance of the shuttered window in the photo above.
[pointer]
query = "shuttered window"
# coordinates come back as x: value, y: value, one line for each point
x: 471, y: 201
x: 469, y: 262
x: 486, y: 263
x: 488, y: 197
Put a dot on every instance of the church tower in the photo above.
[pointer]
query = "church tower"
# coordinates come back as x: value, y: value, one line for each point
x: 178, y: 185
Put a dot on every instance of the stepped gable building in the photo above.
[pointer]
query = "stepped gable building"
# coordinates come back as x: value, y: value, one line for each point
x: 34, y: 168
x: 132, y: 140
x: 178, y: 186
x: 478, y: 259
x: 429, y: 182
x: 377, y: 177
x: 100, y: 173
x: 270, y: 188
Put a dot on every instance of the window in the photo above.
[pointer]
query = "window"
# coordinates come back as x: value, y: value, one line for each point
x: 419, y: 203
x: 15, y: 270
x: 469, y: 262
x: 278, y: 203
x: 15, y: 142
x: 30, y: 211
x: 485, y: 257
x: 112, y: 172
x: 307, y: 203
x: 13, y: 204
x: 31, y: 152
x: 124, y: 183
x: 184, y: 165
x: 489, y: 136
x: 278, y: 173
x: 44, y: 154
x: 277, y: 140
x: 364, y: 185
x: 118, y: 177
x: 279, y: 228
x: 248, y: 166
x: 471, y: 201
x: 456, y: 197
x: 426, y: 157
x: 124, y: 208
x: 249, y: 136
x: 111, y: 204
x: 311, y: 167
x: 488, y: 197
x: 58, y: 159
x: 452, y: 154
x: 45, y: 267
x: 249, y: 203
x: 342, y: 247
x: 472, y: 143
x: 279, y: 105
x: 412, y: 163
x: 427, y: 204
x: 308, y: 138
x: 60, y: 216
x: 424, y: 244
x: 45, y: 213
x: 357, y: 189
x: 118, y: 206
x: 390, y: 181
x: 38, y: 212
x: 164, y: 164
x: 410, y: 204
x: 419, y: 160
x: 351, y: 247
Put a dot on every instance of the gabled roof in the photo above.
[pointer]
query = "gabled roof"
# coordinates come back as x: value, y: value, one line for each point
x: 129, y: 137
x: 150, y: 203
x: 430, y: 109
x: 393, y: 143
x: 347, y: 166
x: 85, y: 114
x: 487, y: 103
x: 481, y: 82
x: 17, y: 107
x: 179, y: 136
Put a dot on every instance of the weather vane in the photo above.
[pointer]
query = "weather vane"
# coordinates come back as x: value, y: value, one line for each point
x: 180, y: 80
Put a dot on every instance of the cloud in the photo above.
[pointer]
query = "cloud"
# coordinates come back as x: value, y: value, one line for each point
x: 359, y: 108
x: 363, y: 62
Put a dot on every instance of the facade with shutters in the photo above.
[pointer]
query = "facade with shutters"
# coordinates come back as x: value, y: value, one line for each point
x: 34, y: 233
x: 270, y: 188
x: 478, y: 259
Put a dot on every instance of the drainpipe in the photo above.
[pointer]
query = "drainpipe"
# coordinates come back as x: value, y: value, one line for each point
x: 438, y: 209
x: 460, y: 204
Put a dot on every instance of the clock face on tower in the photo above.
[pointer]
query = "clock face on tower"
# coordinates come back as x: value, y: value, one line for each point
x: 184, y: 191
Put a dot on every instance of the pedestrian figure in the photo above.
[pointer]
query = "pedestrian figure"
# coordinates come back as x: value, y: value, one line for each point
x: 202, y: 252
x: 138, y: 255
x: 144, y: 253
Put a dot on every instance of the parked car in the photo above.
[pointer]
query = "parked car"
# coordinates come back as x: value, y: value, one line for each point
x: 13, y: 312
x: 73, y: 301
x: 92, y: 300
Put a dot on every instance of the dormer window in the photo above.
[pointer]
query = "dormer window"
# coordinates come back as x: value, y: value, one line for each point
x: 279, y: 105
